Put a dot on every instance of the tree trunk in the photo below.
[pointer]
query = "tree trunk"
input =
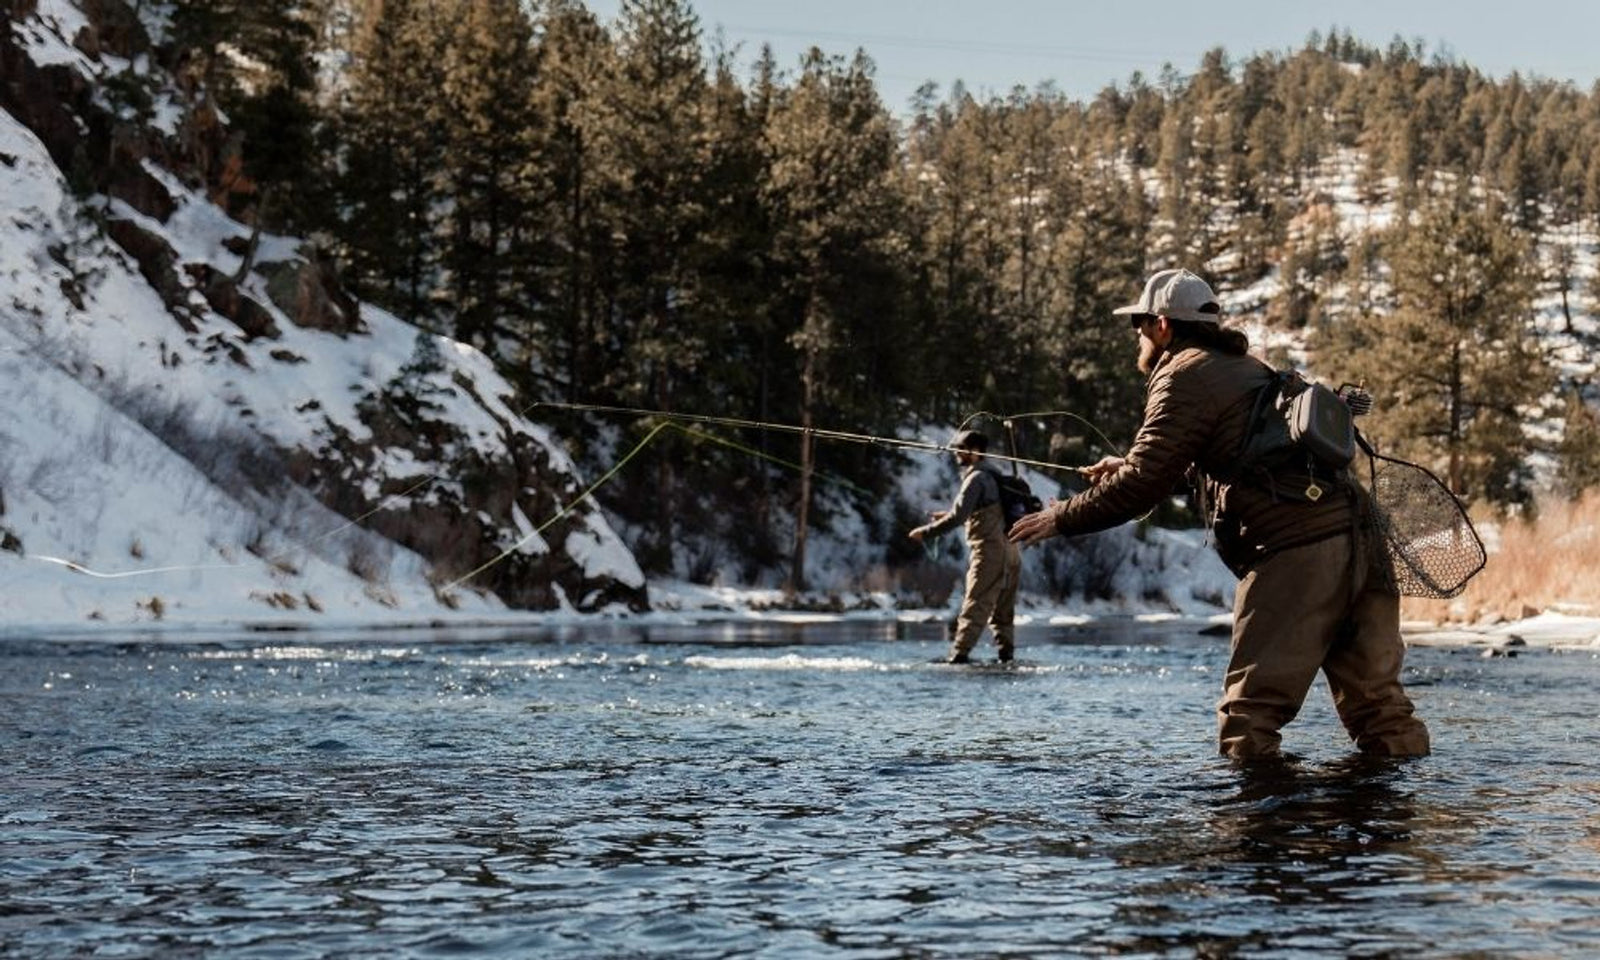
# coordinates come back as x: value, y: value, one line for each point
x: 258, y: 213
x: 808, y: 379
x: 1457, y: 388
x: 764, y: 413
x: 666, y: 482
x: 577, y: 330
x: 416, y: 249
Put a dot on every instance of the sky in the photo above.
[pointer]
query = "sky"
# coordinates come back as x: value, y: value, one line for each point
x: 1084, y: 45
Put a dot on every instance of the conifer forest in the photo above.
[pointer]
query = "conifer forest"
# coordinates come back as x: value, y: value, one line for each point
x: 628, y: 214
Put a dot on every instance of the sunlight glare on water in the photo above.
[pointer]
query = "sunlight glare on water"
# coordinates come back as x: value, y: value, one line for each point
x: 772, y: 790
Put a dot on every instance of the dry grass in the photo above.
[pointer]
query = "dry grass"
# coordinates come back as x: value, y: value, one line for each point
x: 1551, y: 562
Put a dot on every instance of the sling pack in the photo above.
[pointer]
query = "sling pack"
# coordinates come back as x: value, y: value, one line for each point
x: 1017, y: 499
x: 1299, y: 439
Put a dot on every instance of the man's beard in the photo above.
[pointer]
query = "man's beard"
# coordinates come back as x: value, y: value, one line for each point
x: 1149, y: 355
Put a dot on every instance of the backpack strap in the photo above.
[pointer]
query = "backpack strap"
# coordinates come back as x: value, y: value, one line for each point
x: 1266, y: 395
x: 1262, y: 409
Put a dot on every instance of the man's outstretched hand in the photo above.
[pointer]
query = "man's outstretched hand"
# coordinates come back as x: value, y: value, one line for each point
x: 1042, y: 525
x: 1034, y: 527
x: 1105, y: 467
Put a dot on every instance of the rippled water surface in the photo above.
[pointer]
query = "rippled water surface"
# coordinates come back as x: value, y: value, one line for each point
x: 775, y: 792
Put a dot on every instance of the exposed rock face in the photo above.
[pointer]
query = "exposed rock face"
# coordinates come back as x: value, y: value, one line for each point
x: 308, y: 291
x: 113, y: 28
x: 158, y: 264
x: 252, y: 319
x: 441, y: 513
x: 99, y: 152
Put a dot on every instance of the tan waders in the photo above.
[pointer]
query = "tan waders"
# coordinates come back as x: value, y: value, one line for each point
x: 1309, y: 608
x: 992, y: 575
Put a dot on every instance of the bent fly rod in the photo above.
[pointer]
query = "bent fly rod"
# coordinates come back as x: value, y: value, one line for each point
x: 820, y: 433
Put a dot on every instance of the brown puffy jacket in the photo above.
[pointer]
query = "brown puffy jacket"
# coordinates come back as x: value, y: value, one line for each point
x: 1197, y: 409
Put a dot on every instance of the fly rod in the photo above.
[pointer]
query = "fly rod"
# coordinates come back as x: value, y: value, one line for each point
x: 818, y: 432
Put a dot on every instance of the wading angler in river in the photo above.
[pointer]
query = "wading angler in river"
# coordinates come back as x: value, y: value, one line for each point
x: 1315, y: 589
x: 995, y: 564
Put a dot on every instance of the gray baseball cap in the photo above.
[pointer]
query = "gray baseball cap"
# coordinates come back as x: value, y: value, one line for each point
x: 1178, y: 294
x: 970, y: 440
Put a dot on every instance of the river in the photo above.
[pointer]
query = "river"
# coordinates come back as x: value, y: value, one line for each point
x: 753, y: 790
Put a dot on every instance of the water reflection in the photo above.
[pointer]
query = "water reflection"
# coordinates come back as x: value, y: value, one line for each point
x: 1348, y: 809
x: 1284, y: 856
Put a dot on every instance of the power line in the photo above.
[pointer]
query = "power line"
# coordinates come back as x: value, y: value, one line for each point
x: 1041, y: 51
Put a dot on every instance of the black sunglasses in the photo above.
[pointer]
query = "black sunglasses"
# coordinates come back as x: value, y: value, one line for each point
x: 1140, y: 319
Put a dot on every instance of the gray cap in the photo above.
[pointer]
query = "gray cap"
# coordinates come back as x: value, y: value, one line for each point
x: 970, y: 440
x: 1178, y: 294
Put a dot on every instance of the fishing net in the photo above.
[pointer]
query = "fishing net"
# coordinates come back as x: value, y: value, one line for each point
x: 1426, y: 532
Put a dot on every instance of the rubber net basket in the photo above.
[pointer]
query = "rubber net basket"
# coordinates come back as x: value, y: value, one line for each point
x: 1426, y: 532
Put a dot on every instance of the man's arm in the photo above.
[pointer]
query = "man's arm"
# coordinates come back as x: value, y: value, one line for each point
x: 1169, y: 441
x: 967, y: 500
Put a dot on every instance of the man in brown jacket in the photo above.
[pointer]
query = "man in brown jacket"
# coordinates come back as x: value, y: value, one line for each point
x: 995, y: 564
x: 1315, y: 589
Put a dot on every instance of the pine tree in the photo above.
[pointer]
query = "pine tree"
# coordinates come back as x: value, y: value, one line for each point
x: 1218, y: 148
x: 493, y: 170
x: 1027, y: 159
x: 746, y: 374
x: 735, y: 247
x: 389, y: 188
x: 1141, y: 130
x: 1454, y: 363
x: 950, y: 183
x: 255, y: 60
x: 575, y: 57
x: 1308, y: 85
x: 649, y: 120
x: 1314, y: 256
x: 1591, y: 182
x: 831, y: 153
x: 1086, y: 354
x: 1265, y: 186
x: 1579, y: 450
x: 1180, y: 208
x: 1563, y: 274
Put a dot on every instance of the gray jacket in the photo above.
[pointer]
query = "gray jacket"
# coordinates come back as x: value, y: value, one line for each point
x: 979, y: 489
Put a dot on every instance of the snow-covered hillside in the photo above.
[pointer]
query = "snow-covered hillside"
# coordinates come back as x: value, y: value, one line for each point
x: 163, y: 460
